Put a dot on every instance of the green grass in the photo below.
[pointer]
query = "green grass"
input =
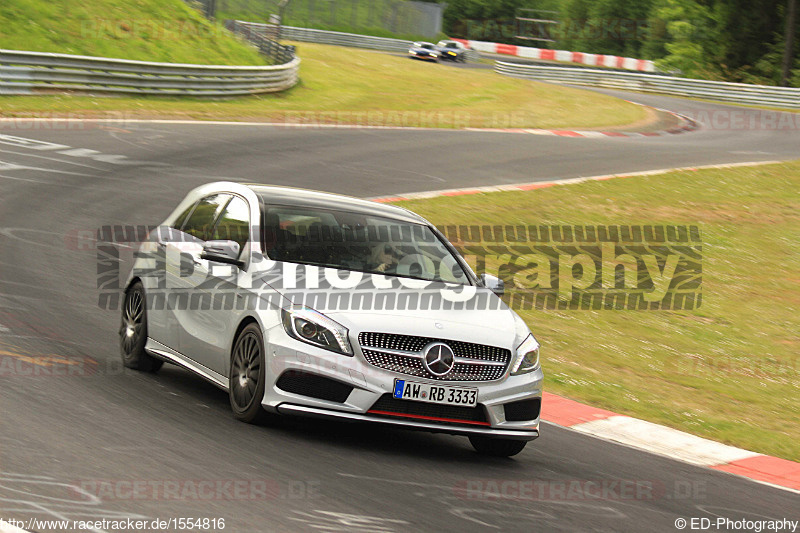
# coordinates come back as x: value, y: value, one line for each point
x: 730, y: 370
x: 381, y: 18
x: 345, y: 85
x: 146, y: 30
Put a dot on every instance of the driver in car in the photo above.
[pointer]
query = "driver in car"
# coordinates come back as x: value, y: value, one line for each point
x: 386, y: 257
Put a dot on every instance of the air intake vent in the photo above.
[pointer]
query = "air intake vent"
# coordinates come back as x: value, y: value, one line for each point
x: 314, y: 386
x: 523, y: 410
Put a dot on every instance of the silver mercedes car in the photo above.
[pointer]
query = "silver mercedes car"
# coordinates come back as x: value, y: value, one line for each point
x: 307, y: 303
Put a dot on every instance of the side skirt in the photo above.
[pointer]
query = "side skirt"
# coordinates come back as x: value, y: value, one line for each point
x: 157, y: 349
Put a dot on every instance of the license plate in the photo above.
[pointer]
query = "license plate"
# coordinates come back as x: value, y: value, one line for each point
x: 430, y: 393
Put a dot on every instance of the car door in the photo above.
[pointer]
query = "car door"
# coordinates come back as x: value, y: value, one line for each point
x: 186, y: 269
x: 155, y: 275
x: 205, y: 330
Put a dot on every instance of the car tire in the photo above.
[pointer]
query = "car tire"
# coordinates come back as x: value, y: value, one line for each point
x: 133, y: 332
x: 497, y: 447
x: 247, y: 376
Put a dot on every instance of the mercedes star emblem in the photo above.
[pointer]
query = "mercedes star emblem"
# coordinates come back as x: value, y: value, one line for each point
x: 439, y: 359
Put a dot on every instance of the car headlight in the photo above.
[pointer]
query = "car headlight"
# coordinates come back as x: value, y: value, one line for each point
x: 527, y: 357
x: 314, y: 328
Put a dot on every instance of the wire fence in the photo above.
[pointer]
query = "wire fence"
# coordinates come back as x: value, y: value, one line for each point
x: 265, y: 37
x: 310, y: 35
x: 388, y: 16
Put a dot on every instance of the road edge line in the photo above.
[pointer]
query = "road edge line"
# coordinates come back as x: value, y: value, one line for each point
x: 686, y: 125
x: 552, y: 183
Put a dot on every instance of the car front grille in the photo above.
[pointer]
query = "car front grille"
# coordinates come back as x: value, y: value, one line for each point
x: 388, y: 406
x: 404, y: 354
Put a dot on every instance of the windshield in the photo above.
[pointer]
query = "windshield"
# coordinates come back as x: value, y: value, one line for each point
x: 352, y: 241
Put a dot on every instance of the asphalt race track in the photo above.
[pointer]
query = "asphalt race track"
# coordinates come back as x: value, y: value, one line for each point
x: 77, y: 432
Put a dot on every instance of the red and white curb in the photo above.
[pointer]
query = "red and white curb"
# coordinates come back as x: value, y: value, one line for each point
x: 529, y: 52
x: 553, y: 183
x: 670, y: 442
x: 686, y: 125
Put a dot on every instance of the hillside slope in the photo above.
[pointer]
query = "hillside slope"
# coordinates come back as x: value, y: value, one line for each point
x: 147, y: 30
x: 383, y: 18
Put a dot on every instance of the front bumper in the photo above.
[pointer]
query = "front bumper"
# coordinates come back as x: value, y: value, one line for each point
x: 432, y: 427
x: 370, y: 383
x: 424, y: 57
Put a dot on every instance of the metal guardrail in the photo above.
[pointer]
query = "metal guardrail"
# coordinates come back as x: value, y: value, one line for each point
x: 36, y: 72
x: 740, y: 93
x: 263, y: 36
x: 353, y: 40
x: 344, y: 39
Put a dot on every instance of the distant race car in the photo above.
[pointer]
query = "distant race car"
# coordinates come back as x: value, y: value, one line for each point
x: 423, y: 50
x: 452, y: 51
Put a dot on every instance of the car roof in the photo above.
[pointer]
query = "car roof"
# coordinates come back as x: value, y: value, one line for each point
x: 279, y: 195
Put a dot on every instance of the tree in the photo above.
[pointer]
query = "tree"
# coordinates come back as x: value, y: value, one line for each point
x: 489, y: 20
x: 788, y: 51
x: 680, y: 31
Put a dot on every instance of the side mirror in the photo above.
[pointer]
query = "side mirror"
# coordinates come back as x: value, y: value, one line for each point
x: 222, y: 252
x: 166, y: 234
x: 493, y: 283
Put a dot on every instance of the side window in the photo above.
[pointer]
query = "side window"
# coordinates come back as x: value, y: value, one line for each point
x: 234, y: 223
x: 201, y: 221
x: 182, y: 217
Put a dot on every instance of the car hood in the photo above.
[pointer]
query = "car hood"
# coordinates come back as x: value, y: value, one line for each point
x: 492, y: 323
x: 429, y: 311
